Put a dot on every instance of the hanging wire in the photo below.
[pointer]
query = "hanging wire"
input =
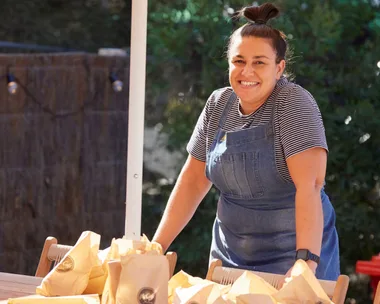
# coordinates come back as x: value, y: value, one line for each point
x: 14, y: 83
x: 46, y: 109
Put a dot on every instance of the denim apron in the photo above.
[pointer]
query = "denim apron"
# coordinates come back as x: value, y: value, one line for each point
x: 255, y: 222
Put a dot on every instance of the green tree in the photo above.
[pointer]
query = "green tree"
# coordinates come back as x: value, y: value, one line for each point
x: 83, y: 25
x: 335, y: 56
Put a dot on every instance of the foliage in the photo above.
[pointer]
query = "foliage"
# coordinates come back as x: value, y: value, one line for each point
x: 180, y: 129
x: 83, y: 25
x: 336, y: 50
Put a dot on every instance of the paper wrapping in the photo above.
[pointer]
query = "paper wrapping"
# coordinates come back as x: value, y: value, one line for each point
x: 302, y: 287
x: 83, y: 299
x: 197, y: 294
x: 71, y: 275
x: 99, y: 274
x: 110, y: 288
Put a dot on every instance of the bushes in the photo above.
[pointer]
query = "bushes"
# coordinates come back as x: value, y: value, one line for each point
x: 336, y: 51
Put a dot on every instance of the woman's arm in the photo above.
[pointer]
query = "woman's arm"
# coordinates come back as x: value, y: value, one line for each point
x: 308, y: 170
x: 191, y: 187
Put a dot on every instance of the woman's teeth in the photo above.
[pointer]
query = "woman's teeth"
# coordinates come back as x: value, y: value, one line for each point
x: 248, y: 83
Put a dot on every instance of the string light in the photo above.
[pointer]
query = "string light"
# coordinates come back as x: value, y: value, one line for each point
x: 12, y: 84
x: 117, y: 85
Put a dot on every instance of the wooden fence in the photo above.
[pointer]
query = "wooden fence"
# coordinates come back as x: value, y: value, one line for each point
x: 62, y: 153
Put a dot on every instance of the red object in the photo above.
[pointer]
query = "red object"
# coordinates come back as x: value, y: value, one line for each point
x: 371, y: 268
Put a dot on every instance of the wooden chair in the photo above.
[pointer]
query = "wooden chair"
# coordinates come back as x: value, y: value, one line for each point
x: 336, y: 290
x: 54, y: 252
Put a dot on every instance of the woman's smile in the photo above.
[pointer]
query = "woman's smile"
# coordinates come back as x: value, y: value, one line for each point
x: 248, y: 84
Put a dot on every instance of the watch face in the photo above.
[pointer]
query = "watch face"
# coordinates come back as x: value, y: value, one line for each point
x: 302, y: 254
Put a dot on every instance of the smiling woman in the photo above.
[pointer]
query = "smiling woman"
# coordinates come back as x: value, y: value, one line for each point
x: 261, y: 142
x: 253, y: 71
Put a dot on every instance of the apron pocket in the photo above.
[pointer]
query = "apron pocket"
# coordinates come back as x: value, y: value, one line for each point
x: 236, y: 175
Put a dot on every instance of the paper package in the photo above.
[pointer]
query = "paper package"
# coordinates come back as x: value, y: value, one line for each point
x: 302, y: 287
x: 71, y: 275
x: 83, y: 299
x: 143, y: 279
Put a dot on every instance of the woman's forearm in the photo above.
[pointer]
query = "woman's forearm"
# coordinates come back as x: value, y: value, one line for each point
x: 309, y: 219
x: 189, y: 190
x: 308, y: 170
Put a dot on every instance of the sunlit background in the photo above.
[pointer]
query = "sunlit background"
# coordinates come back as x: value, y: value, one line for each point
x: 335, y: 55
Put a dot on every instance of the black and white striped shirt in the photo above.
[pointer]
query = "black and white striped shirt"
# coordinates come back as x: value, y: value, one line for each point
x: 297, y: 122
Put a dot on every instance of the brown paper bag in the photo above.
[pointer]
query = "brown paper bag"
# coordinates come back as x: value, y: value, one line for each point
x: 87, y: 299
x: 303, y: 287
x: 71, y: 275
x: 110, y: 288
x: 143, y: 279
x: 120, y: 247
x: 99, y: 273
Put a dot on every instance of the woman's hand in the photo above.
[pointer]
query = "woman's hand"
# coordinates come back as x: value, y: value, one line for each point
x: 312, y: 265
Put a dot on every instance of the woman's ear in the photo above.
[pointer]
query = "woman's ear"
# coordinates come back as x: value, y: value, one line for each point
x: 280, y: 69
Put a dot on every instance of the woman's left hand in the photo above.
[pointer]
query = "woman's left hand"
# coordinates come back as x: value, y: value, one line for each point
x: 312, y: 265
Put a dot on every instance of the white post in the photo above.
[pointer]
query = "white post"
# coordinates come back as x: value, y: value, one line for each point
x: 136, y: 119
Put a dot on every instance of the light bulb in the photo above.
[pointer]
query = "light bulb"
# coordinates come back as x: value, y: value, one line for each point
x: 117, y: 85
x: 12, y: 84
x: 12, y: 87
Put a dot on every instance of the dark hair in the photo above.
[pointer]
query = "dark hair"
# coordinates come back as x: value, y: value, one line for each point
x: 257, y: 17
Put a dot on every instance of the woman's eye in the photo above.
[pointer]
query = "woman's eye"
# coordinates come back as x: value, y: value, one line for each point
x: 238, y: 61
x: 259, y: 62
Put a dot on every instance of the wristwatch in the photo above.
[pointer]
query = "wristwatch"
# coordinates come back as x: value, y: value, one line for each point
x: 306, y: 255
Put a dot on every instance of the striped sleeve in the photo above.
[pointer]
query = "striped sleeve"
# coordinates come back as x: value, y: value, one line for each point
x: 300, y: 123
x: 197, y: 145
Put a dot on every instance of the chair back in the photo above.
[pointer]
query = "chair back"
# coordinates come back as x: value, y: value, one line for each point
x: 336, y: 290
x: 52, y: 253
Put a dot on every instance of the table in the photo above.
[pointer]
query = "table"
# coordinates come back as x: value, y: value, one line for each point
x: 17, y: 285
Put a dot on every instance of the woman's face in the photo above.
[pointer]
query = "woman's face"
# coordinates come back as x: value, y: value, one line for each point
x: 253, y: 71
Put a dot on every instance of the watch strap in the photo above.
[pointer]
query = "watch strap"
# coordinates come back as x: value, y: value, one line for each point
x: 306, y: 255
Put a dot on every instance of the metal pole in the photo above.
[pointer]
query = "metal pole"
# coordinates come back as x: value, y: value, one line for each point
x: 136, y: 119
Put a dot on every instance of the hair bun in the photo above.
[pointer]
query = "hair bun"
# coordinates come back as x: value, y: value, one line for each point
x: 260, y: 14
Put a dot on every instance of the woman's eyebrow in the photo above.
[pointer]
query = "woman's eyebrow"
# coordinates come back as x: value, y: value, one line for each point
x: 260, y: 56
x: 254, y: 57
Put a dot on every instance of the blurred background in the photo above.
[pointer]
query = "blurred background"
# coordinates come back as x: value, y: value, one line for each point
x: 336, y: 56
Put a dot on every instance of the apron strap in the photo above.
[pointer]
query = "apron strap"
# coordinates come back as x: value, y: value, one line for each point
x: 227, y: 109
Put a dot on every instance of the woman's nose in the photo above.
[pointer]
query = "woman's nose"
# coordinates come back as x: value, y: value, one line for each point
x: 248, y: 70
